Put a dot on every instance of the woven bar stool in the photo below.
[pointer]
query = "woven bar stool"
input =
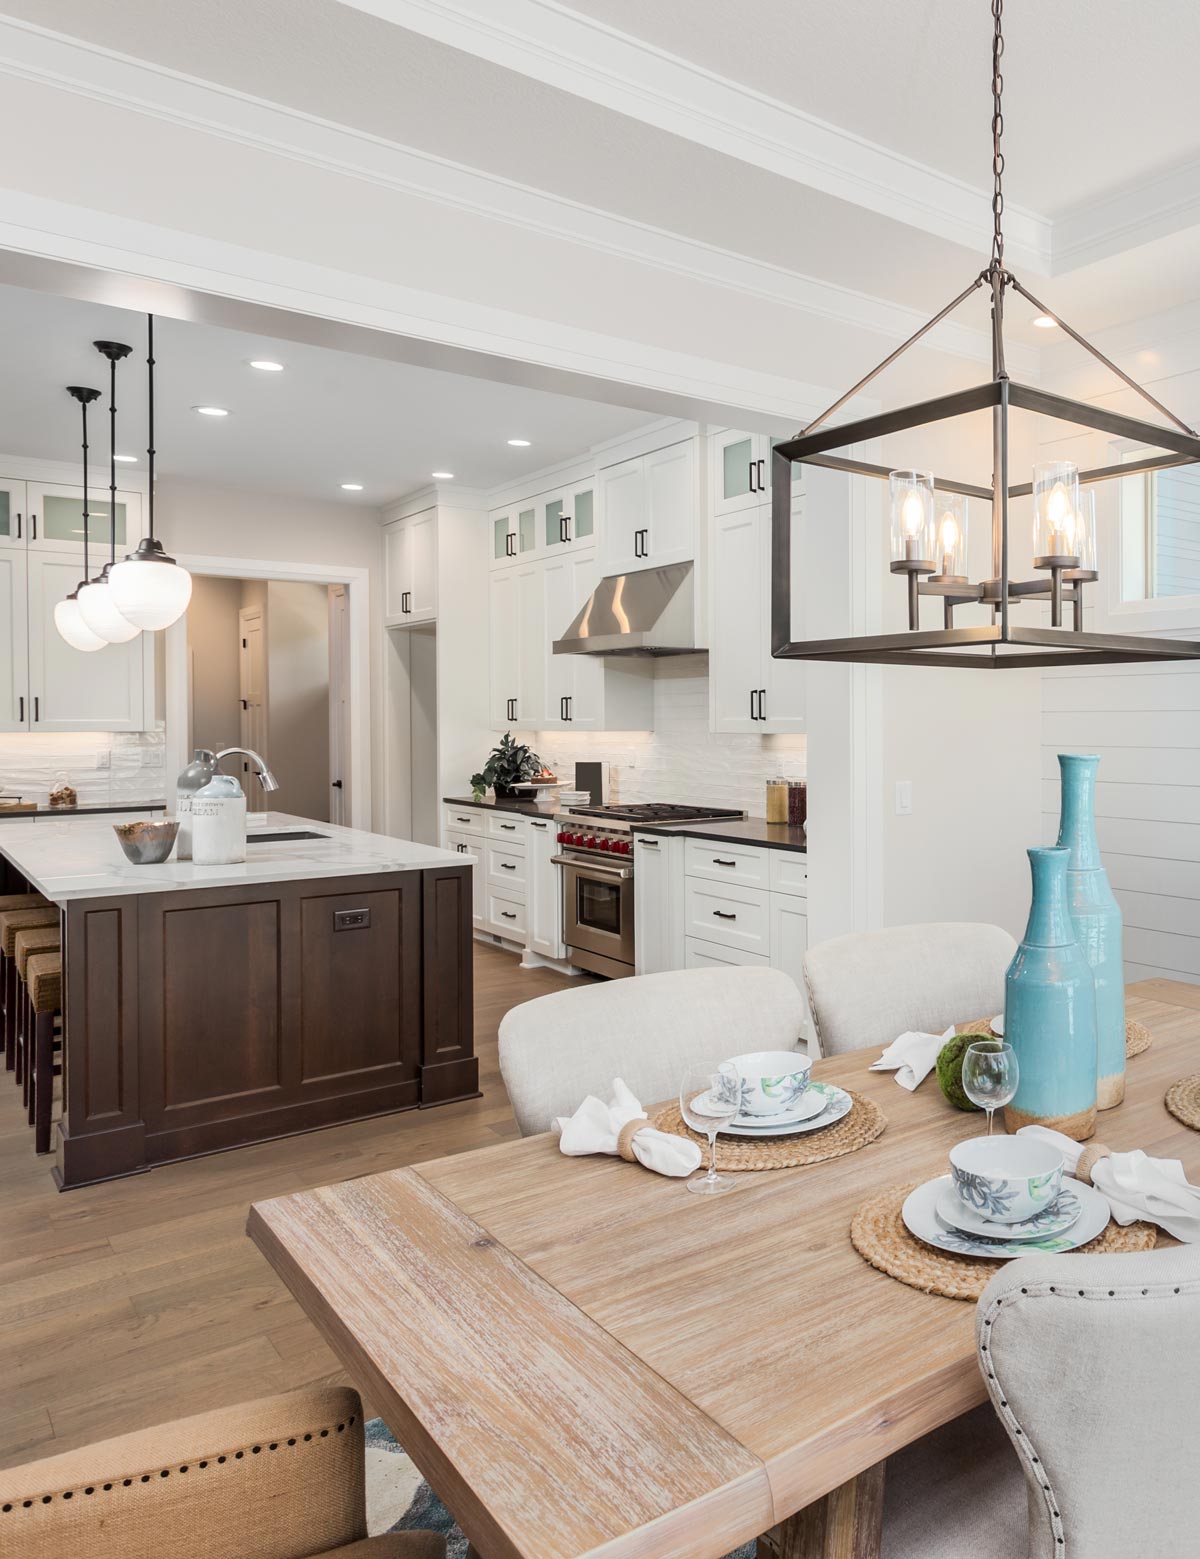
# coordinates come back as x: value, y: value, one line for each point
x: 28, y: 941
x: 16, y: 912
x: 43, y: 982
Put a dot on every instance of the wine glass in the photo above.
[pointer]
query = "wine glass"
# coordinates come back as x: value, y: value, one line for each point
x: 709, y: 1098
x: 990, y: 1075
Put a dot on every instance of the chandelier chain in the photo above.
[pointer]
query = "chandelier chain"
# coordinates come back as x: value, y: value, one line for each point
x: 997, y: 132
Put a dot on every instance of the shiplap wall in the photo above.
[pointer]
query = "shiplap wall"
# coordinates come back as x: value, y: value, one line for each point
x: 1177, y: 544
x: 1144, y: 722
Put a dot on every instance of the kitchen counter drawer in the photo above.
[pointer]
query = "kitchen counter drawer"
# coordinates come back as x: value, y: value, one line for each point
x: 462, y: 820
x: 502, y: 825
x: 733, y: 916
x: 736, y: 864
x: 711, y: 955
x: 506, y: 917
x: 505, y: 868
x: 789, y: 873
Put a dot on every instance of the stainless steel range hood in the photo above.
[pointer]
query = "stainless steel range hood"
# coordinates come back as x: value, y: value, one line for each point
x: 650, y: 612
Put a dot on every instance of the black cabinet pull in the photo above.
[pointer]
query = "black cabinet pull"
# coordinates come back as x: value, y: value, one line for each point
x: 510, y: 545
x: 337, y: 784
x: 762, y: 703
x: 762, y: 483
x: 564, y: 527
x: 723, y: 914
x: 508, y: 914
x: 648, y: 844
x: 511, y: 708
x: 404, y: 606
x: 33, y: 527
x: 639, y: 543
x: 542, y: 826
x: 507, y: 866
x: 717, y: 861
x: 562, y: 708
x: 753, y: 716
x: 570, y: 707
x: 22, y: 703
x: 37, y: 708
x: 753, y: 489
x: 509, y: 828
x: 18, y: 527
x: 463, y: 820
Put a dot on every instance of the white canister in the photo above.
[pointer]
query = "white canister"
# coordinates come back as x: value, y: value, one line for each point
x: 219, y: 822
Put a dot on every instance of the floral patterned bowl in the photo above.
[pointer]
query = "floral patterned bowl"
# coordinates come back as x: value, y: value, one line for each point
x: 1006, y: 1179
x: 772, y: 1080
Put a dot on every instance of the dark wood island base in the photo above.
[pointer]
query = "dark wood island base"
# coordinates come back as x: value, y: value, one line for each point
x: 206, y: 1019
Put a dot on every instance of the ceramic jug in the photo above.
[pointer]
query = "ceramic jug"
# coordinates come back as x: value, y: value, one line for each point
x: 219, y: 822
x: 1097, y: 919
x: 1050, y: 1010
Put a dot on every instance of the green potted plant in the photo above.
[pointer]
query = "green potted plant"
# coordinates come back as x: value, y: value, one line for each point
x: 509, y: 764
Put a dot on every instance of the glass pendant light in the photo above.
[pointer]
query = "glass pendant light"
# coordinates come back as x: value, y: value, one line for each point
x: 148, y: 587
x: 67, y: 617
x: 96, y: 605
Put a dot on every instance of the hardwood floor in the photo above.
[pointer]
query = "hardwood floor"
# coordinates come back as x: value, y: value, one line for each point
x: 127, y: 1304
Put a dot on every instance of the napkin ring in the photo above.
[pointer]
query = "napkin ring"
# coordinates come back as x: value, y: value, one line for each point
x: 1088, y: 1160
x: 627, y: 1133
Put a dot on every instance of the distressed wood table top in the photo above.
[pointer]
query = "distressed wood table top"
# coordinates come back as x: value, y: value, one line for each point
x: 583, y: 1359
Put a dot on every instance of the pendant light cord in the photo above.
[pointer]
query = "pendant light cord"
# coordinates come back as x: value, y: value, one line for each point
x: 86, y: 516
x: 997, y: 132
x: 150, y: 419
x: 112, y: 463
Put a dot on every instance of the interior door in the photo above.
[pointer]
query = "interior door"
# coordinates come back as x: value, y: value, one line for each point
x: 339, y: 706
x: 72, y: 690
x: 252, y: 690
x: 15, y: 711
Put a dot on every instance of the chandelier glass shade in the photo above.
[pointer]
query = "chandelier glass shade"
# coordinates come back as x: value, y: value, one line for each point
x: 1021, y: 622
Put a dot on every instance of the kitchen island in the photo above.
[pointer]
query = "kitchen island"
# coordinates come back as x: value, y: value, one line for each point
x: 325, y: 979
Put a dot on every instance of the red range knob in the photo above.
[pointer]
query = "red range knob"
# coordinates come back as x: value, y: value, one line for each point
x: 563, y: 838
x: 574, y: 839
x: 605, y: 844
x: 622, y: 845
x: 590, y: 841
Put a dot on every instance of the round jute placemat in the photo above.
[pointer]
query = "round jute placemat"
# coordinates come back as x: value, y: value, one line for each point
x: 863, y: 1124
x: 1183, y: 1100
x: 1137, y: 1036
x: 879, y: 1236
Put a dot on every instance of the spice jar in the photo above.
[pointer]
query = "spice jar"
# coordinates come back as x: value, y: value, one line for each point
x: 797, y: 810
x: 777, y: 801
x: 63, y: 793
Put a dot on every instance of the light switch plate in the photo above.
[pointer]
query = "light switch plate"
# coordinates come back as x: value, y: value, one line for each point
x: 903, y: 798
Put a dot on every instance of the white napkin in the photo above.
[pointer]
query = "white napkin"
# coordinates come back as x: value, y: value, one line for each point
x: 911, y: 1057
x: 1136, y: 1186
x: 595, y: 1127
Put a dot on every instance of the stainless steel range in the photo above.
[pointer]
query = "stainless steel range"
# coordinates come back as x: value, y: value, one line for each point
x: 597, y: 862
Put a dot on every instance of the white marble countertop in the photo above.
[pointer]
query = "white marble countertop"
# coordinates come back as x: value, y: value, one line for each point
x: 78, y: 858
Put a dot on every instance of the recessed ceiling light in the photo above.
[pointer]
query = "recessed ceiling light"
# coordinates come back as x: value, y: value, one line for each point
x: 1044, y: 322
x: 352, y: 487
x: 442, y: 476
x: 126, y: 460
x: 266, y: 366
x: 519, y: 443
x: 211, y: 411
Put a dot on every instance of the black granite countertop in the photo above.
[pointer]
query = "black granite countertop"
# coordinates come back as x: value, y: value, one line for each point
x: 506, y: 804
x: 93, y: 810
x: 746, y: 830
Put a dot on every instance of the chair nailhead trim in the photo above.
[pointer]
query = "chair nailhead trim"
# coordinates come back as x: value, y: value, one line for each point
x: 165, y: 1472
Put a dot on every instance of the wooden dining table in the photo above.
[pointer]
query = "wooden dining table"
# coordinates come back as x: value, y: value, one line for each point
x: 582, y: 1359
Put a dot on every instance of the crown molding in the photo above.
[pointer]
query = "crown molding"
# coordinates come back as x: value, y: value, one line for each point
x: 1128, y: 217
x: 561, y: 48
x: 34, y: 54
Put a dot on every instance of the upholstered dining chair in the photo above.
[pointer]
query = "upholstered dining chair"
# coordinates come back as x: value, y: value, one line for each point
x: 866, y: 988
x: 1092, y: 1364
x: 281, y: 1478
x: 557, y: 1049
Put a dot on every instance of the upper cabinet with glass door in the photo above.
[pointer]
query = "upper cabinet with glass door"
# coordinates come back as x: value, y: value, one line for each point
x: 54, y: 520
x: 513, y: 534
x: 741, y: 470
x: 568, y: 518
x: 12, y: 513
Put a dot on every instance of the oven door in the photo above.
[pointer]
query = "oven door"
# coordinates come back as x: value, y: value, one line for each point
x: 598, y: 909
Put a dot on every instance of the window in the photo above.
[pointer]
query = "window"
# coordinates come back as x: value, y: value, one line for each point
x: 1160, y: 533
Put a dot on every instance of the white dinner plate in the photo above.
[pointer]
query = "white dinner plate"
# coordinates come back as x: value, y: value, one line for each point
x: 920, y: 1218
x: 837, y: 1103
x: 1055, y: 1219
x: 810, y: 1103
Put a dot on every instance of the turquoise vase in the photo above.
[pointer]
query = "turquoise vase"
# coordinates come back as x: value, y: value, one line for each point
x: 1050, y: 1010
x: 1097, y: 919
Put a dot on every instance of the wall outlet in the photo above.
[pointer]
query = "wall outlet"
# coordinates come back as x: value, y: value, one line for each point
x: 104, y: 759
x: 903, y: 798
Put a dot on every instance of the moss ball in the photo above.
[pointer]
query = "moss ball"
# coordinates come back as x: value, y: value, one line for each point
x: 949, y: 1069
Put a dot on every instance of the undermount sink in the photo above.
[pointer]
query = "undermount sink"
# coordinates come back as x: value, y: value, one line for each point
x: 281, y: 835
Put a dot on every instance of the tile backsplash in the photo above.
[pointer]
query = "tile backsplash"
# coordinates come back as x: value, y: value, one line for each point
x: 105, y: 767
x: 681, y: 759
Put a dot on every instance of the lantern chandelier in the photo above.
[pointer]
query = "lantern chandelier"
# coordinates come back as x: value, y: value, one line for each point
x: 929, y: 514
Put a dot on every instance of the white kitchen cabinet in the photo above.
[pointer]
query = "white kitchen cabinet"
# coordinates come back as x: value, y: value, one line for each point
x: 12, y: 518
x: 711, y: 955
x: 70, y: 690
x: 53, y: 520
x: 543, y: 891
x: 410, y: 570
x: 506, y: 917
x: 650, y: 506
x: 471, y: 845
x: 789, y: 935
x: 587, y: 692
x: 733, y: 916
x: 568, y: 518
x: 502, y: 529
x: 749, y: 690
x: 657, y: 903
x: 15, y: 708
x: 740, y: 472
x: 518, y: 648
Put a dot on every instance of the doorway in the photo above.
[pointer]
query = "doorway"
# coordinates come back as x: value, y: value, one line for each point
x: 267, y: 664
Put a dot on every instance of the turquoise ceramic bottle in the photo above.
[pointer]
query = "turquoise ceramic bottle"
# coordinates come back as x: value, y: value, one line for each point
x: 1050, y: 1010
x: 1097, y: 919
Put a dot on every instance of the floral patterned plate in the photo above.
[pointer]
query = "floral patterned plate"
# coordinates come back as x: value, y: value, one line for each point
x: 824, y: 1103
x: 920, y: 1218
x: 1057, y: 1218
